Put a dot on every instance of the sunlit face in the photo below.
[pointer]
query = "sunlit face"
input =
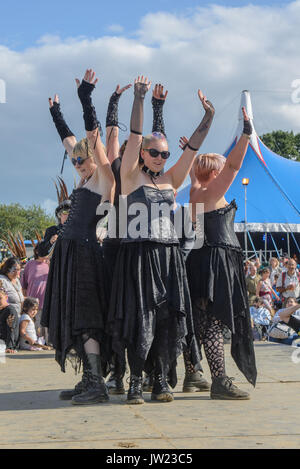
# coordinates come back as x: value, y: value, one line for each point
x: 157, y: 163
x: 290, y: 302
x: 253, y: 270
x: 33, y: 311
x: 63, y: 216
x: 14, y: 272
x: 274, y: 263
x: 265, y: 275
x: 291, y: 266
x: 86, y: 168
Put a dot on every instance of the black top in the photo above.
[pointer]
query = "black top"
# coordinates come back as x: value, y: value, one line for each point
x: 150, y: 216
x: 4, y: 328
x: 219, y: 227
x: 45, y: 246
x: 82, y: 219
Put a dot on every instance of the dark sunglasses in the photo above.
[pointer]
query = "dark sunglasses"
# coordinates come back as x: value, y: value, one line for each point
x: 78, y: 160
x: 154, y: 153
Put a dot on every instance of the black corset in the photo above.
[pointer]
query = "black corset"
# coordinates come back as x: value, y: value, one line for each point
x: 82, y: 219
x: 156, y: 217
x: 219, y: 227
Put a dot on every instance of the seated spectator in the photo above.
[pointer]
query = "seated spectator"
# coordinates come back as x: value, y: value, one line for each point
x: 9, y: 322
x: 288, y: 284
x: 260, y: 318
x: 286, y: 323
x: 264, y: 289
x: 10, y: 276
x: 28, y: 336
x: 34, y: 281
x: 251, y: 284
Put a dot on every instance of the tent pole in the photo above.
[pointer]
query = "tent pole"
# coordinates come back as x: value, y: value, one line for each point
x: 288, y: 244
x: 295, y: 241
x: 252, y: 244
x: 274, y: 245
x: 266, y: 244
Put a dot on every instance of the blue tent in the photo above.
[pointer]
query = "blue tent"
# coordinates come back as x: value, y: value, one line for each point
x: 273, y: 193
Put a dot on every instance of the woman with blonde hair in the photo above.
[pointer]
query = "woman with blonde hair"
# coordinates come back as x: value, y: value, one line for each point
x: 216, y: 271
x: 150, y: 309
x: 76, y: 303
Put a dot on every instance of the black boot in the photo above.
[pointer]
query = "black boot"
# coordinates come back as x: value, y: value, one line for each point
x: 115, y: 384
x: 135, y: 395
x: 194, y: 382
x: 148, y: 382
x: 161, y: 391
x: 96, y: 389
x: 222, y: 388
x: 79, y: 388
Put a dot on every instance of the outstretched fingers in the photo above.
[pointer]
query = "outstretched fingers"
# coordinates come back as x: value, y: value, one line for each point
x: 51, y: 101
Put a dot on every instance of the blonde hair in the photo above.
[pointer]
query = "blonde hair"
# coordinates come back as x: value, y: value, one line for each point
x: 206, y: 163
x: 83, y: 149
x: 274, y: 259
x: 156, y: 136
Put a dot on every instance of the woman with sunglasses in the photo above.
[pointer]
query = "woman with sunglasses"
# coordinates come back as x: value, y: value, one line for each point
x: 76, y: 303
x: 111, y: 245
x: 216, y: 271
x: 150, y: 309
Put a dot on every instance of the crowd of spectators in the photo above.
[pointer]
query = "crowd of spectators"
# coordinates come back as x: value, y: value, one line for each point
x: 271, y: 289
x: 22, y: 290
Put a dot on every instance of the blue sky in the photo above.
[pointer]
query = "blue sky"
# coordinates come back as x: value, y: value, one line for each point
x: 23, y: 22
x: 186, y: 45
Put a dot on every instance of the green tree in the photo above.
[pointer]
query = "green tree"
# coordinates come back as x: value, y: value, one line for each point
x: 283, y: 143
x: 26, y: 220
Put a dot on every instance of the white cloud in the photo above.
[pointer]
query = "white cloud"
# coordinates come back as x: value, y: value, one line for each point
x: 115, y: 28
x: 221, y: 50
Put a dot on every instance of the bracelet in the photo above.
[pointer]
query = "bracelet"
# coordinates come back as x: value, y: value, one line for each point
x: 191, y: 148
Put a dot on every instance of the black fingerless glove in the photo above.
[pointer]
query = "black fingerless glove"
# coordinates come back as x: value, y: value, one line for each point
x: 112, y: 118
x: 247, y: 128
x: 158, y: 119
x: 89, y: 113
x: 60, y: 123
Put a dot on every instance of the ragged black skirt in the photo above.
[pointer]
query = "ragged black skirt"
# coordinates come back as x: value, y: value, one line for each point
x: 76, y: 300
x: 149, y: 286
x: 216, y: 278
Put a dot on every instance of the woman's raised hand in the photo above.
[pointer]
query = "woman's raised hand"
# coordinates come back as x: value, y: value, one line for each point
x: 158, y: 92
x: 51, y: 101
x: 183, y: 141
x: 89, y: 77
x: 121, y: 90
x: 141, y: 86
x: 207, y: 105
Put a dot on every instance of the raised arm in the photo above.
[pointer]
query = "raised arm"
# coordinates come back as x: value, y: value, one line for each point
x: 67, y: 137
x: 112, y: 124
x: 195, y: 184
x: 92, y: 125
x: 158, y: 101
x: 220, y: 185
x: 130, y: 162
x: 181, y: 169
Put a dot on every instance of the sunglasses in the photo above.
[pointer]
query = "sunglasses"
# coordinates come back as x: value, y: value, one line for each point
x: 154, y: 153
x: 78, y: 160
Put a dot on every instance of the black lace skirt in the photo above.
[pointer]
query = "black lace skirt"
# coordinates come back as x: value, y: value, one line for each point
x: 76, y: 300
x: 150, y: 287
x: 216, y: 278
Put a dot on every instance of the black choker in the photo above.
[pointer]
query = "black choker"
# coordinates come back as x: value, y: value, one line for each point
x: 151, y: 173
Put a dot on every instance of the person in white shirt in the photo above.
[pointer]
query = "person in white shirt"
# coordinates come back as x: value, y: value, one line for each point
x: 289, y: 303
x: 288, y: 282
x: 28, y: 336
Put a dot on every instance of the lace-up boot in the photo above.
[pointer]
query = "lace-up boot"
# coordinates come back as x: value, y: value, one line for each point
x: 79, y: 388
x: 135, y: 395
x: 222, y: 388
x: 161, y: 391
x: 115, y: 384
x: 194, y: 382
x: 96, y: 391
